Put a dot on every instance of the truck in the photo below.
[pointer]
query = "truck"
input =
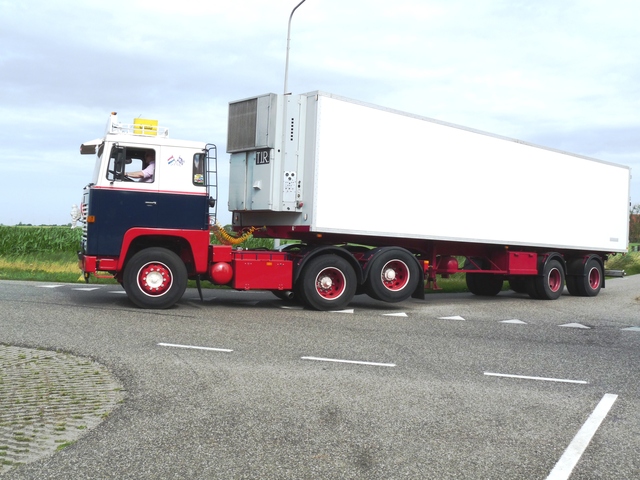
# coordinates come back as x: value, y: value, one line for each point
x: 360, y: 200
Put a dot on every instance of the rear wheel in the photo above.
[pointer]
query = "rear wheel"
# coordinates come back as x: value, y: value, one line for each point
x: 592, y: 283
x: 155, y: 278
x: 484, y: 284
x: 518, y: 284
x: 549, y: 285
x: 393, y: 275
x: 586, y: 278
x: 327, y: 282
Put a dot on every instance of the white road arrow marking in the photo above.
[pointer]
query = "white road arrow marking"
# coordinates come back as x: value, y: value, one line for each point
x: 454, y: 317
x: 575, y: 325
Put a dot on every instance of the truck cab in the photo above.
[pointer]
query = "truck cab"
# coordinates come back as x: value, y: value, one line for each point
x: 123, y: 209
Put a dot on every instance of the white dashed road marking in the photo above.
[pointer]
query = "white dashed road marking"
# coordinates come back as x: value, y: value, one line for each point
x: 524, y: 377
x: 375, y: 364
x: 581, y: 441
x: 211, y: 349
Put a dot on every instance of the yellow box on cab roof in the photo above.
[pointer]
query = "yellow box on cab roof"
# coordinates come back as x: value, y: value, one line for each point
x: 144, y: 126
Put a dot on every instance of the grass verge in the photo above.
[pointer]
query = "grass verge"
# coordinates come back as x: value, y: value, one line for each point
x: 629, y: 262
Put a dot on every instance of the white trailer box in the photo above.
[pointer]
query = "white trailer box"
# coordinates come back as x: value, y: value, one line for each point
x: 333, y: 165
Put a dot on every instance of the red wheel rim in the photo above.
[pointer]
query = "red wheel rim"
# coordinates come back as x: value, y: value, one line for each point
x: 555, y: 280
x: 154, y: 279
x: 594, y: 278
x: 330, y: 283
x: 395, y: 275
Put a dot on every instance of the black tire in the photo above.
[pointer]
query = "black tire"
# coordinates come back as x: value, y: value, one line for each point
x: 549, y: 285
x: 518, y: 284
x: 327, y: 282
x: 392, y: 275
x: 572, y: 285
x: 484, y: 284
x: 155, y: 278
x: 586, y: 279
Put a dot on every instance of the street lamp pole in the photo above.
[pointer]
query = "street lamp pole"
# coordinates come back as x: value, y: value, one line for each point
x: 276, y: 242
x: 286, y: 65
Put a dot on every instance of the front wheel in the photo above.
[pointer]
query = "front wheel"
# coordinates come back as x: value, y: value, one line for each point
x: 155, y: 278
x: 327, y: 282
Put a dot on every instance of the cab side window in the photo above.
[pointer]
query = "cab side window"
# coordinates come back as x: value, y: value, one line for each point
x: 128, y: 164
x: 198, y: 169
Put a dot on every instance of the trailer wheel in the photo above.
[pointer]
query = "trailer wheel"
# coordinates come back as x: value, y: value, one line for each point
x: 550, y: 284
x: 484, y: 284
x: 327, y: 282
x: 393, y: 275
x: 518, y: 284
x: 586, y: 280
x: 155, y: 278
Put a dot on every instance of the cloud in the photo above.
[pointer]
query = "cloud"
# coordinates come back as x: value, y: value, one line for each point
x: 560, y: 74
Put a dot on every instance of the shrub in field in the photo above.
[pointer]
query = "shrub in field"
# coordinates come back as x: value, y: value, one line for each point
x: 36, y: 240
x: 630, y: 263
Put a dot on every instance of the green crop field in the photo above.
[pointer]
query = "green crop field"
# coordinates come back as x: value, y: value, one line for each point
x: 37, y: 240
x: 49, y: 254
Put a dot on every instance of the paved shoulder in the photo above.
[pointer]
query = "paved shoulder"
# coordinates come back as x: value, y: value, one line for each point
x: 48, y: 400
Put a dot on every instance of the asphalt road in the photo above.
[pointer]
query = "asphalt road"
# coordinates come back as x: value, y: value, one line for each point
x: 278, y: 393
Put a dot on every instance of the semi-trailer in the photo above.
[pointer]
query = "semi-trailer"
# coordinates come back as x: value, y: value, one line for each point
x: 366, y: 200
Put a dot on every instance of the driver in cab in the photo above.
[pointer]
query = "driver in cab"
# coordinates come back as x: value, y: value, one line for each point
x: 148, y: 168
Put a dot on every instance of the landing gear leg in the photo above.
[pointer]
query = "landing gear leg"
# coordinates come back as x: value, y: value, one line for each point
x: 199, y: 288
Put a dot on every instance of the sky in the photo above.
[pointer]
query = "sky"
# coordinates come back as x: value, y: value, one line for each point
x: 563, y: 74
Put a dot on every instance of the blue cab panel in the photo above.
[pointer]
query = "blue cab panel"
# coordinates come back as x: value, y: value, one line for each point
x: 117, y: 211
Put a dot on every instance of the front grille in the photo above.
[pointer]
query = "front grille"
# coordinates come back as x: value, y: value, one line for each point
x: 84, y: 208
